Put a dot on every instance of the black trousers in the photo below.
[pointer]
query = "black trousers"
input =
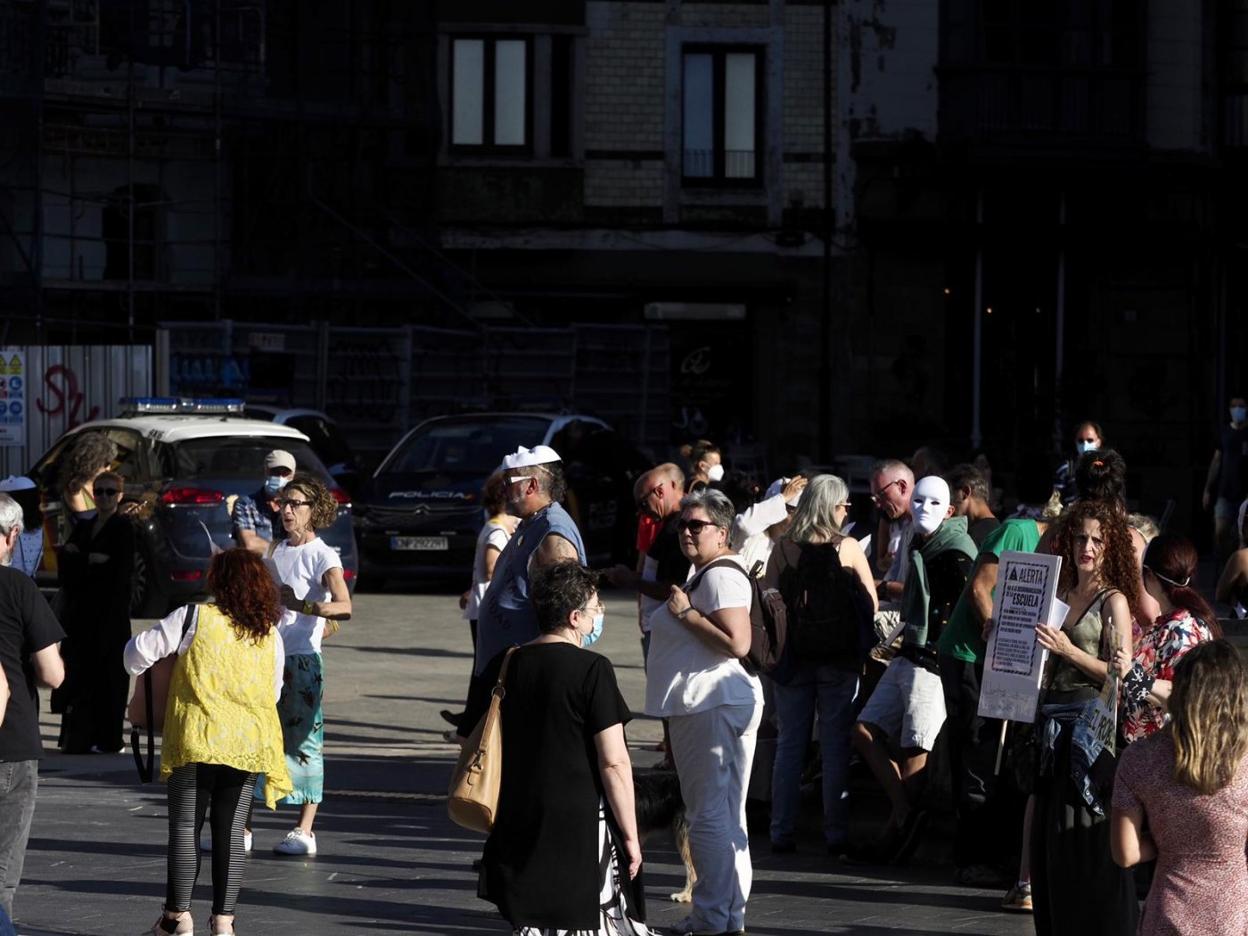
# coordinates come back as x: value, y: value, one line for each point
x: 192, y: 789
x: 988, y: 813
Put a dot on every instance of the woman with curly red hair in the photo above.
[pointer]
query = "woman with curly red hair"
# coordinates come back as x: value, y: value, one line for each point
x: 1076, y: 887
x: 221, y: 727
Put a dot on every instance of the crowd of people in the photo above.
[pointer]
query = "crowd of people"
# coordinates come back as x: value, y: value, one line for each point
x: 874, y: 634
x: 883, y: 666
x: 244, y: 718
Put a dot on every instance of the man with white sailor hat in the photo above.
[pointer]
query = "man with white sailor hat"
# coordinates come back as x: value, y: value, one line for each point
x: 547, y: 534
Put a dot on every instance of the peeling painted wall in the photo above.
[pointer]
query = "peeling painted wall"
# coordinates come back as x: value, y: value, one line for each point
x: 890, y: 50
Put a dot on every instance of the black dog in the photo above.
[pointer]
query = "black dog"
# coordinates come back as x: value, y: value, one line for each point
x: 659, y: 806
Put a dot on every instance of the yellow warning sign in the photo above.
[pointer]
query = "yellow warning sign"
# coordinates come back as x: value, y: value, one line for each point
x: 15, y: 364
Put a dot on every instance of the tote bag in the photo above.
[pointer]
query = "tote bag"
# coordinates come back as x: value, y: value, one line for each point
x: 472, y: 800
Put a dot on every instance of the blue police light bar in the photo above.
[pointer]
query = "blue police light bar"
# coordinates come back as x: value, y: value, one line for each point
x: 200, y: 406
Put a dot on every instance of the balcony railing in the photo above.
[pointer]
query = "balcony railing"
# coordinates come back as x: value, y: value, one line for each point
x: 738, y: 164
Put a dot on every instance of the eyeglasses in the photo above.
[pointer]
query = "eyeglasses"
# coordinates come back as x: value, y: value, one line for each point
x: 694, y: 526
x: 592, y: 609
x: 107, y: 492
x: 657, y: 489
x: 879, y: 495
x: 292, y: 504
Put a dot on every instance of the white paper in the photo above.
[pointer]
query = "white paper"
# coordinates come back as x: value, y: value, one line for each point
x: 1024, y: 597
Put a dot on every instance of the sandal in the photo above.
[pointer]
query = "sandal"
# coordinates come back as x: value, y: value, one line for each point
x: 182, y: 926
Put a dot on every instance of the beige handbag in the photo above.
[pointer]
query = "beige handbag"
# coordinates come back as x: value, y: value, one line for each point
x: 472, y: 800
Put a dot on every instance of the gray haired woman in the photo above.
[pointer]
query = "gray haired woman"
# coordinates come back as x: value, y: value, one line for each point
x: 821, y: 673
x: 695, y: 679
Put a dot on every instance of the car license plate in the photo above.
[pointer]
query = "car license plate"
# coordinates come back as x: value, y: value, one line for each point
x: 424, y: 543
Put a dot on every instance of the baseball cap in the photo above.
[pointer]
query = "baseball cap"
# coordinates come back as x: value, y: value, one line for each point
x: 279, y: 458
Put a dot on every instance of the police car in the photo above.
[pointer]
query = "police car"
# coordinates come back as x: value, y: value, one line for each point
x: 184, y: 461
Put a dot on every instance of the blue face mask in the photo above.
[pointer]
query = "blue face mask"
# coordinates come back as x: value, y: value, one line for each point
x: 273, y: 484
x: 593, y: 635
x: 1084, y: 447
x: 1239, y: 413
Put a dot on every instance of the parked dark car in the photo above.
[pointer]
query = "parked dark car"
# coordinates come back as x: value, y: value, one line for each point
x: 418, y: 516
x: 186, y: 470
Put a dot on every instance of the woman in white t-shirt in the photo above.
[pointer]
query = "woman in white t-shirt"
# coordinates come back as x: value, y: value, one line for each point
x: 494, y: 535
x: 313, y: 590
x: 695, y: 679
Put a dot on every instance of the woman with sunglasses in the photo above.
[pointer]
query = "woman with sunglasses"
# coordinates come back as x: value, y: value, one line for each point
x: 313, y: 591
x: 95, y: 567
x: 714, y: 705
x: 1186, y: 620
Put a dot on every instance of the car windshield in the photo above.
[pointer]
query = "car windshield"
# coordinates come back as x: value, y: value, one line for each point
x: 465, y: 446
x: 234, y: 458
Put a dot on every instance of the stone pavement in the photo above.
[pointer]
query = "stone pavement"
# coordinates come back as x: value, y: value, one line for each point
x: 391, y: 861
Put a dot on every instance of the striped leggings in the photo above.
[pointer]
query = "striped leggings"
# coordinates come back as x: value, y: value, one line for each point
x: 193, y: 788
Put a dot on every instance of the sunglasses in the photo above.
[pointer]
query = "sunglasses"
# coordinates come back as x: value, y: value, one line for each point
x: 641, y: 504
x: 107, y: 492
x: 693, y: 526
x: 292, y: 504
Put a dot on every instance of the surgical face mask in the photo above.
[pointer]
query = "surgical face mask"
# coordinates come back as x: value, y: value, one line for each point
x: 595, y: 633
x: 930, y: 504
x: 1082, y: 446
x: 715, y: 472
x: 274, y: 483
x: 1239, y: 413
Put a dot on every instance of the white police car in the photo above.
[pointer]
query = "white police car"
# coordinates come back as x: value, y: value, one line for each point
x: 184, y: 461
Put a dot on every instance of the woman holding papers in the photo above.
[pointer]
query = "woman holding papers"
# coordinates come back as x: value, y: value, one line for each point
x: 1076, y: 887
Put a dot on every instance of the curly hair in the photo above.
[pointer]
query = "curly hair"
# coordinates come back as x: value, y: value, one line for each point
x: 1118, y: 565
x: 324, y: 507
x: 244, y: 591
x: 84, y: 457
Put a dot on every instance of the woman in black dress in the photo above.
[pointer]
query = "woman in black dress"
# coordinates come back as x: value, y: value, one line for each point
x: 564, y: 856
x: 95, y: 567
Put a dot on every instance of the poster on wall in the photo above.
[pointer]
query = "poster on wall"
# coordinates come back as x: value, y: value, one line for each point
x: 12, y: 397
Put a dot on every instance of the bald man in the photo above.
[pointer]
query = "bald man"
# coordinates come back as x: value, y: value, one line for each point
x: 657, y: 493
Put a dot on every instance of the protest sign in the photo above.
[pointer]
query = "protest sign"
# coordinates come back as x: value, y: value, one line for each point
x: 1025, y: 595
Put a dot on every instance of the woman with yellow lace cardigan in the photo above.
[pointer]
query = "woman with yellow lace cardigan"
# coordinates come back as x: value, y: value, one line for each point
x: 221, y: 728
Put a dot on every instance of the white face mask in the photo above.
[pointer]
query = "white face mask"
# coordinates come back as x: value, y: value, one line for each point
x: 930, y: 504
x: 715, y: 473
x: 1083, y: 447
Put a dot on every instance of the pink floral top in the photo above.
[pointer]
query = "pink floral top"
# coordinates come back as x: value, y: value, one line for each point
x: 1157, y: 652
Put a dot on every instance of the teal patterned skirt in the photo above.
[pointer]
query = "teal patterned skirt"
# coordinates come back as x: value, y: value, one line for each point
x: 303, y: 729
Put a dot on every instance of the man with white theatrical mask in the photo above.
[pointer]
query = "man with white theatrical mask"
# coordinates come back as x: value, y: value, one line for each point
x: 547, y: 534
x: 908, y: 706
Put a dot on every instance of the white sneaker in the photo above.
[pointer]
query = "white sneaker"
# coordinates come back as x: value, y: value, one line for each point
x: 205, y: 842
x: 296, y: 842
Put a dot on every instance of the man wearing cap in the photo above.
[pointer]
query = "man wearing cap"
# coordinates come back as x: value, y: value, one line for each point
x: 28, y: 551
x: 546, y: 535
x: 257, y: 519
x: 30, y: 657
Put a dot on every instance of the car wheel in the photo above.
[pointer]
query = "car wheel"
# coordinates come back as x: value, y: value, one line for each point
x: 146, y: 599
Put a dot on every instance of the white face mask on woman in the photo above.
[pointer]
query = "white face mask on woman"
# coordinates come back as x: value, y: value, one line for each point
x: 715, y: 473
